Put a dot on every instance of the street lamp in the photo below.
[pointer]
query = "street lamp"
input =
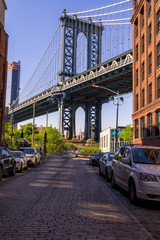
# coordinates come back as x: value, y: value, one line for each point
x: 117, y: 104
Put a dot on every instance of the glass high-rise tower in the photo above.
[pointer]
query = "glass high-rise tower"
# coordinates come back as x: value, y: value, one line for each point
x: 13, y: 83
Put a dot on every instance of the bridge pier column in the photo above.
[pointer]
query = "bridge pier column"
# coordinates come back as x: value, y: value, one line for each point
x: 98, y: 122
x: 87, y: 130
x: 73, y: 121
x: 61, y: 110
x: 92, y: 121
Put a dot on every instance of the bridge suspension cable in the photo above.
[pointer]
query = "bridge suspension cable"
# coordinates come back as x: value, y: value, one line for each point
x: 44, y: 71
x: 101, y: 8
x: 37, y: 66
x: 106, y: 14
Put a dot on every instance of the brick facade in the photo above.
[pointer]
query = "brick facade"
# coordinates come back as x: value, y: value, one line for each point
x: 146, y: 97
x: 3, y: 72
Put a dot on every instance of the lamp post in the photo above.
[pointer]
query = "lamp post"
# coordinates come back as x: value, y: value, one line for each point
x: 117, y: 104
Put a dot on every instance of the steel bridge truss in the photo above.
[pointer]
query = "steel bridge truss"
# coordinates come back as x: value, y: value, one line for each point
x: 71, y: 27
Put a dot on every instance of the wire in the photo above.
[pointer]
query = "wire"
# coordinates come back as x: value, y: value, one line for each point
x: 101, y: 8
x: 37, y: 65
x: 105, y: 14
x: 112, y: 20
x: 105, y: 24
x: 44, y: 71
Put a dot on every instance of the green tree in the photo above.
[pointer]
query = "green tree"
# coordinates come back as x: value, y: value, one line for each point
x: 27, y: 132
x: 127, y: 133
x: 55, y: 142
x: 8, y: 132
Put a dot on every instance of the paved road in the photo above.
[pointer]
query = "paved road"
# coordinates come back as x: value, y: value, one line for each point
x: 65, y: 198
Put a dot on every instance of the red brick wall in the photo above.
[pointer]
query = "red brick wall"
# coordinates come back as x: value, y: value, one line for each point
x: 155, y: 104
x: 3, y: 78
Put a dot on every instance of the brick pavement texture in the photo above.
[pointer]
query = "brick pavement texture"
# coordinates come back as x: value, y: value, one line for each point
x: 64, y: 199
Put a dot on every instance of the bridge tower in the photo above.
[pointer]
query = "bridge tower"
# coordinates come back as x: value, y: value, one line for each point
x: 71, y: 27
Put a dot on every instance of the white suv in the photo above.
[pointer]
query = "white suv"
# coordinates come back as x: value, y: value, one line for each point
x: 137, y: 171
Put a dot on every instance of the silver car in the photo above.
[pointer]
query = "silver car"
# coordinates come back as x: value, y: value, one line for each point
x: 105, y: 165
x: 21, y: 160
x: 137, y: 171
x: 32, y: 154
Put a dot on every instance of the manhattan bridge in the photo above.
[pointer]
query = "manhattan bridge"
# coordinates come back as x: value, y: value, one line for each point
x: 88, y: 47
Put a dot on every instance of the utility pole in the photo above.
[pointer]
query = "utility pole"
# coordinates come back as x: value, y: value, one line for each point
x: 46, y: 119
x: 34, y: 106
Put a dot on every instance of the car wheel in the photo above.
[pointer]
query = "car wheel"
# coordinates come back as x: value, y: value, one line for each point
x: 21, y: 169
x: 13, y: 172
x: 106, y: 175
x: 26, y: 165
x: 100, y: 173
x: 35, y: 165
x: 113, y: 184
x: 1, y: 173
x: 132, y: 192
x: 92, y: 163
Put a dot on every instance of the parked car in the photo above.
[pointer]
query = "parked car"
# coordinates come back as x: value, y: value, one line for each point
x: 7, y: 162
x: 21, y: 160
x: 94, y: 160
x: 32, y: 154
x: 137, y: 171
x: 105, y: 165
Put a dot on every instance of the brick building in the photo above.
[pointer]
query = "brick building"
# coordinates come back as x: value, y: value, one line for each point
x: 3, y: 67
x: 146, y: 72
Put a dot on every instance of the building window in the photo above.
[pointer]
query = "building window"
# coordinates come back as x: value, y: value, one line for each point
x: 137, y: 77
x: 149, y: 8
x: 143, y: 71
x: 136, y: 52
x: 136, y: 27
x: 142, y: 17
x: 142, y: 127
x: 136, y: 101
x: 149, y: 124
x: 150, y: 92
x: 136, y: 129
x: 158, y: 122
x: 143, y: 44
x: 158, y: 87
x: 158, y: 54
x: 143, y: 97
x: 136, y: 3
x: 158, y: 21
x: 150, y: 63
x: 150, y: 33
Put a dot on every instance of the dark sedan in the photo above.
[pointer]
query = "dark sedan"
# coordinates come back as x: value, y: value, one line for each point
x: 7, y: 162
x: 94, y: 160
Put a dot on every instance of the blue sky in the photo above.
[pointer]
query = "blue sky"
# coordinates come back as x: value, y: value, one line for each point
x: 30, y: 25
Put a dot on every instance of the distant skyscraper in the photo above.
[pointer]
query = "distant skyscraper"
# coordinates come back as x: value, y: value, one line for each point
x: 13, y: 83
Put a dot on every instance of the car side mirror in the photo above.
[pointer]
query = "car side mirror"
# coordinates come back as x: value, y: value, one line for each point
x: 126, y: 161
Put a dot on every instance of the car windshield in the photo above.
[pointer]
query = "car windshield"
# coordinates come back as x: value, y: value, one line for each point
x: 16, y: 154
x: 28, y: 151
x: 99, y: 154
x: 110, y: 156
x: 146, y: 155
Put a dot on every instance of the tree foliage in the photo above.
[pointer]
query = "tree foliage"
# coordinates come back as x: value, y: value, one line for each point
x: 89, y: 150
x: 127, y: 133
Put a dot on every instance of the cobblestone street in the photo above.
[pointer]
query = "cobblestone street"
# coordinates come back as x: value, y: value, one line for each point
x: 65, y: 198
